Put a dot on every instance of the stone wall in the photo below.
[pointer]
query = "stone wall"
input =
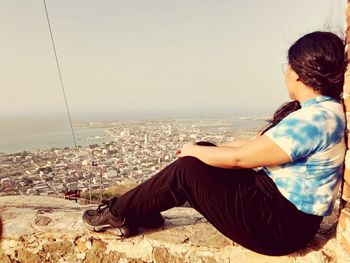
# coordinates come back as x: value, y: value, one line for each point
x: 343, y: 233
x: 47, y: 229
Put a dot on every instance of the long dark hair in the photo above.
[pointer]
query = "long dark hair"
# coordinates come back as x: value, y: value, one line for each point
x: 319, y: 61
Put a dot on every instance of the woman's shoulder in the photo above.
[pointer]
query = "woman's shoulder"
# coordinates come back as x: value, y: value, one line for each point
x: 308, y: 114
x: 321, y: 112
x: 322, y: 121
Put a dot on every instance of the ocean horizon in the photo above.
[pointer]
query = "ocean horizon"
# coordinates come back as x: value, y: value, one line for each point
x: 32, y: 132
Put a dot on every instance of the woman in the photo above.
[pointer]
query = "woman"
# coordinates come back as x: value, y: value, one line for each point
x: 274, y: 210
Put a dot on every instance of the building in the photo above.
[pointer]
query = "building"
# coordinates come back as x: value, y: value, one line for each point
x: 5, y: 183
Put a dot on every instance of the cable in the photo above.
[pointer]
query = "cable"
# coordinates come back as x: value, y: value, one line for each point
x: 59, y: 73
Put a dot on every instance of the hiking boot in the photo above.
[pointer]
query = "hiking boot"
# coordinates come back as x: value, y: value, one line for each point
x: 102, y: 219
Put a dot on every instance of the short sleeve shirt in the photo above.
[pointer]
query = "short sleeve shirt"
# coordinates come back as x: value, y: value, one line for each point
x: 313, y: 137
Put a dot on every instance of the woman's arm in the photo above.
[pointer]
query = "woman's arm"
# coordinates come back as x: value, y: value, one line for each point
x: 258, y: 152
x: 238, y: 143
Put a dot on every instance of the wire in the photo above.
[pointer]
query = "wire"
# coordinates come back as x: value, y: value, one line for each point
x: 59, y: 73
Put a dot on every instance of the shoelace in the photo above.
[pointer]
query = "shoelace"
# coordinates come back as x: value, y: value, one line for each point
x: 103, y: 206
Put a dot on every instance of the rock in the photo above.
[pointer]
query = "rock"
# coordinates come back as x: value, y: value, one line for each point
x: 168, y: 237
x: 42, y: 220
x: 161, y: 255
x: 23, y: 255
x: 82, y: 246
x: 0, y: 227
x: 47, y: 229
x: 202, y: 236
x: 4, y: 258
x: 343, y: 232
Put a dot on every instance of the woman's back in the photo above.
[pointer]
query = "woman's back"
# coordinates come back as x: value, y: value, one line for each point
x: 313, y: 137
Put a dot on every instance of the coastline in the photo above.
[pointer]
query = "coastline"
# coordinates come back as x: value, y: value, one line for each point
x: 19, y: 136
x: 132, y: 152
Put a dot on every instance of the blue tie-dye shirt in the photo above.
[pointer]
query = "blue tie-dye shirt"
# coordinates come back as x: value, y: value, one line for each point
x: 313, y: 137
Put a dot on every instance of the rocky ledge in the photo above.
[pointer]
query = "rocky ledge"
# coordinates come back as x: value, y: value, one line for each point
x: 46, y: 229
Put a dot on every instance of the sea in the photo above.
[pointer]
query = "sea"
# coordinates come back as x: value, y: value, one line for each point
x: 38, y: 132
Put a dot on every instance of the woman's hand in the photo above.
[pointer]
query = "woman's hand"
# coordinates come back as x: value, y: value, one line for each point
x: 185, y: 149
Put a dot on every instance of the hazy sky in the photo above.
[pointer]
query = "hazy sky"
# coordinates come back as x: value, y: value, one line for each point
x: 154, y: 55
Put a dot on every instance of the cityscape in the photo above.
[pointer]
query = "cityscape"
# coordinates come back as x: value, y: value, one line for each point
x: 136, y: 151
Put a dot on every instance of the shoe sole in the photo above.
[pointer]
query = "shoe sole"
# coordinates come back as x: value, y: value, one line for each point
x: 120, y: 232
x: 96, y: 228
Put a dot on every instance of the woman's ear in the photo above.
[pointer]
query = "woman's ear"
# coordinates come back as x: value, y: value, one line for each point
x: 294, y: 75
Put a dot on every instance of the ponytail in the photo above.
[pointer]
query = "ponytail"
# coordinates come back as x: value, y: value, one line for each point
x: 280, y: 114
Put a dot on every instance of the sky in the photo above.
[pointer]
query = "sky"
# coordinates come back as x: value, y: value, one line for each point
x: 160, y: 56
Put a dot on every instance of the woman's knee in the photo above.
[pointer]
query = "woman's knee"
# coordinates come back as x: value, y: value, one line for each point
x: 192, y: 169
x: 188, y: 162
x: 205, y: 143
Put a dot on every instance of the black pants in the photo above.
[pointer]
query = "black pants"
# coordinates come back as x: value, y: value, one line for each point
x: 243, y: 204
